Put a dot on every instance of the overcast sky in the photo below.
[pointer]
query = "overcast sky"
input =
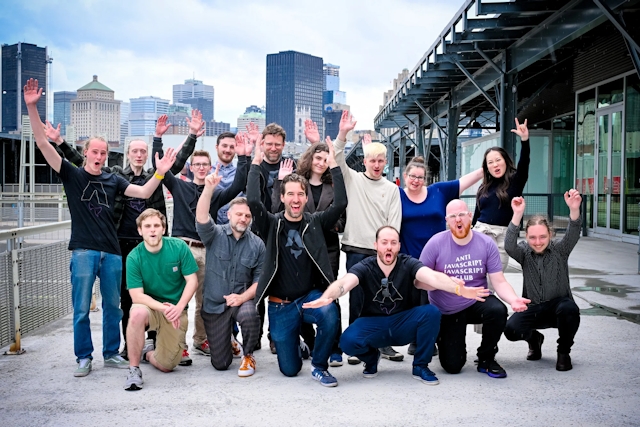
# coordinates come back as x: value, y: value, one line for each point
x: 143, y: 47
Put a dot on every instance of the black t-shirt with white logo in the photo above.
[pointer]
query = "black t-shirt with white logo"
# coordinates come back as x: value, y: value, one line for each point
x: 384, y: 296
x: 295, y: 274
x: 91, y: 199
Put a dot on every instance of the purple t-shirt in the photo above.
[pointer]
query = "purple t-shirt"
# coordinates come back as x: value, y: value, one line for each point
x: 470, y: 263
x: 421, y: 221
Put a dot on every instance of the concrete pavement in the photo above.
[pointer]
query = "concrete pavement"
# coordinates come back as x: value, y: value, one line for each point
x: 602, y: 389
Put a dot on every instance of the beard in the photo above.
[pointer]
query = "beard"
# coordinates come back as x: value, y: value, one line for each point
x: 462, y: 233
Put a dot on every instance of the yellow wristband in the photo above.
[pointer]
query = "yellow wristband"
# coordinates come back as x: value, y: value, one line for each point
x: 458, y: 290
x: 157, y: 175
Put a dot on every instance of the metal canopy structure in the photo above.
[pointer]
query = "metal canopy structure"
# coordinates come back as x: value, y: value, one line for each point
x: 479, y: 60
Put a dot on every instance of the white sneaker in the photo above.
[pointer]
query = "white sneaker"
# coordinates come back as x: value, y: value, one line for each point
x: 247, y: 367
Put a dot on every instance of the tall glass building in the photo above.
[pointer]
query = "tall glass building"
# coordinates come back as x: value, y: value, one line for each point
x: 62, y: 108
x: 294, y: 83
x: 144, y: 114
x: 19, y: 63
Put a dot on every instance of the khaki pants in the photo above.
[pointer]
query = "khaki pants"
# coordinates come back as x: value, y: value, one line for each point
x: 169, y: 340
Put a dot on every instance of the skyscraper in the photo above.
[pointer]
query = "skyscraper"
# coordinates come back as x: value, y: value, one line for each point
x: 62, y: 109
x: 331, y: 85
x: 198, y: 95
x: 294, y: 84
x: 96, y: 112
x: 144, y: 114
x: 125, y: 109
x: 20, y: 62
x: 253, y: 114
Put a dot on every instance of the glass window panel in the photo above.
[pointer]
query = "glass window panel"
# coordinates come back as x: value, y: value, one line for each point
x: 630, y: 207
x: 610, y: 93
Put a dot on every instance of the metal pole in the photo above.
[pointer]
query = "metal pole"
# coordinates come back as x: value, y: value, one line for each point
x: 15, y: 348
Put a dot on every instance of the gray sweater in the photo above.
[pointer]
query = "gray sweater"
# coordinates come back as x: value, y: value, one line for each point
x: 546, y: 275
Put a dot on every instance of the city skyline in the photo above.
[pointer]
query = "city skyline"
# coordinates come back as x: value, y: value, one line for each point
x: 135, y: 61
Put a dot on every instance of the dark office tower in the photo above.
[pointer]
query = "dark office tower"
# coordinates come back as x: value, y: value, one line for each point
x: 294, y: 92
x: 62, y: 109
x: 204, y: 105
x: 20, y: 62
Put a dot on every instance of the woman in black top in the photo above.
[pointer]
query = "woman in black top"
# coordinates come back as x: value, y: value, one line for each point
x: 501, y: 183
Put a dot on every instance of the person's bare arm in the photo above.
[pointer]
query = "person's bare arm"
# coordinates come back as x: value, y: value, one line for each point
x: 32, y: 95
x: 334, y: 291
x: 506, y: 293
x: 429, y: 280
x: 210, y: 184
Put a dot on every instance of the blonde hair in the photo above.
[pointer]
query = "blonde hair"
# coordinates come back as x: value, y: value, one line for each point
x: 374, y: 150
x: 147, y: 213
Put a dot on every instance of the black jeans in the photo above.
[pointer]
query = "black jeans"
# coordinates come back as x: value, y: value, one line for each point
x: 453, y: 329
x: 561, y: 313
x: 356, y: 295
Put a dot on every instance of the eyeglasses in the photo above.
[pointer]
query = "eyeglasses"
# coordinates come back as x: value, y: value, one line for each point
x: 458, y: 215
x: 415, y: 178
x: 200, y: 165
x: 385, y: 287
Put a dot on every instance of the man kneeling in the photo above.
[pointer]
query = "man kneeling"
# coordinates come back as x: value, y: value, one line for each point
x: 161, y: 278
x: 387, y: 317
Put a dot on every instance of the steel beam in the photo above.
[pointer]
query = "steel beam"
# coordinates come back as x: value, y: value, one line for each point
x: 453, y: 120
x: 435, y: 122
x: 480, y: 88
x: 619, y: 25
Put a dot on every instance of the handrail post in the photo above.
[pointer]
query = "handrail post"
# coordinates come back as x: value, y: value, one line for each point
x: 15, y: 347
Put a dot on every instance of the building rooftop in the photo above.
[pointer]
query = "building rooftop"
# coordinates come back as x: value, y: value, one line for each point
x: 95, y: 85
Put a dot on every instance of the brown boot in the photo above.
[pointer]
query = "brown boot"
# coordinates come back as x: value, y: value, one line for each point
x: 535, y: 346
x: 564, y: 362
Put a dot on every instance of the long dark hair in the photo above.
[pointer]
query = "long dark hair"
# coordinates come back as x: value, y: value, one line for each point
x: 304, y: 165
x: 502, y: 184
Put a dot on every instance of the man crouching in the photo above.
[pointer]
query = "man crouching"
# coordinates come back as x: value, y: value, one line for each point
x: 161, y: 279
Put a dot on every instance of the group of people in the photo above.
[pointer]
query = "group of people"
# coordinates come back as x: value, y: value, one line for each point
x: 420, y: 284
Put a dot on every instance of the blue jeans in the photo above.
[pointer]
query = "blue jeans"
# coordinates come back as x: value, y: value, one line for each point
x: 366, y: 335
x: 85, y: 266
x: 284, y: 323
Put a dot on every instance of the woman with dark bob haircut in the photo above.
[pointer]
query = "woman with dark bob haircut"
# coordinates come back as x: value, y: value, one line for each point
x: 502, y: 181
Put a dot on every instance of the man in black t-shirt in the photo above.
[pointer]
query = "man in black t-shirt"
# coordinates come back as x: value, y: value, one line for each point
x: 297, y: 268
x: 388, y: 317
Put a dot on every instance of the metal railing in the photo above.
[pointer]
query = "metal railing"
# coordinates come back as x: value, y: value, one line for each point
x: 34, y: 280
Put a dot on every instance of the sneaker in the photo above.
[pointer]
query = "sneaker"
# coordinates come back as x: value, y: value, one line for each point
x: 335, y: 360
x: 236, y: 348
x: 412, y: 349
x: 371, y: 371
x: 185, y: 360
x: 535, y: 346
x: 325, y: 378
x: 116, y: 361
x: 304, y: 350
x: 247, y: 366
x: 564, y: 362
x: 148, y: 346
x: 492, y: 368
x: 353, y: 360
x: 435, y: 349
x: 134, y: 379
x: 426, y: 375
x: 203, y: 348
x: 83, y: 369
x: 389, y: 353
x: 272, y: 347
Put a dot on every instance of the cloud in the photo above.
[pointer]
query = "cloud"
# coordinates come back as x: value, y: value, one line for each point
x: 141, y: 48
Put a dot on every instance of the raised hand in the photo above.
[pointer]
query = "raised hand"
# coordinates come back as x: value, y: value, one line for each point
x: 259, y: 152
x: 331, y: 158
x: 32, y: 93
x: 241, y: 140
x: 253, y: 132
x: 518, y: 205
x: 573, y: 199
x: 521, y: 130
x: 311, y: 131
x: 366, y: 140
x: 347, y: 124
x: 211, y: 181
x: 164, y: 164
x: 53, y: 134
x: 196, y: 124
x: 161, y: 126
x: 286, y: 168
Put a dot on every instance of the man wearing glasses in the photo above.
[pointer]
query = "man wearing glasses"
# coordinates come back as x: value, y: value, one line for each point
x: 185, y: 199
x: 470, y: 256
x: 388, y: 316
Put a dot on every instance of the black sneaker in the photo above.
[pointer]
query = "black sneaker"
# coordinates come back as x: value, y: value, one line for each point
x: 492, y: 368
x: 371, y: 370
x: 564, y: 362
x: 389, y: 353
x: 535, y: 346
x: 305, y: 352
